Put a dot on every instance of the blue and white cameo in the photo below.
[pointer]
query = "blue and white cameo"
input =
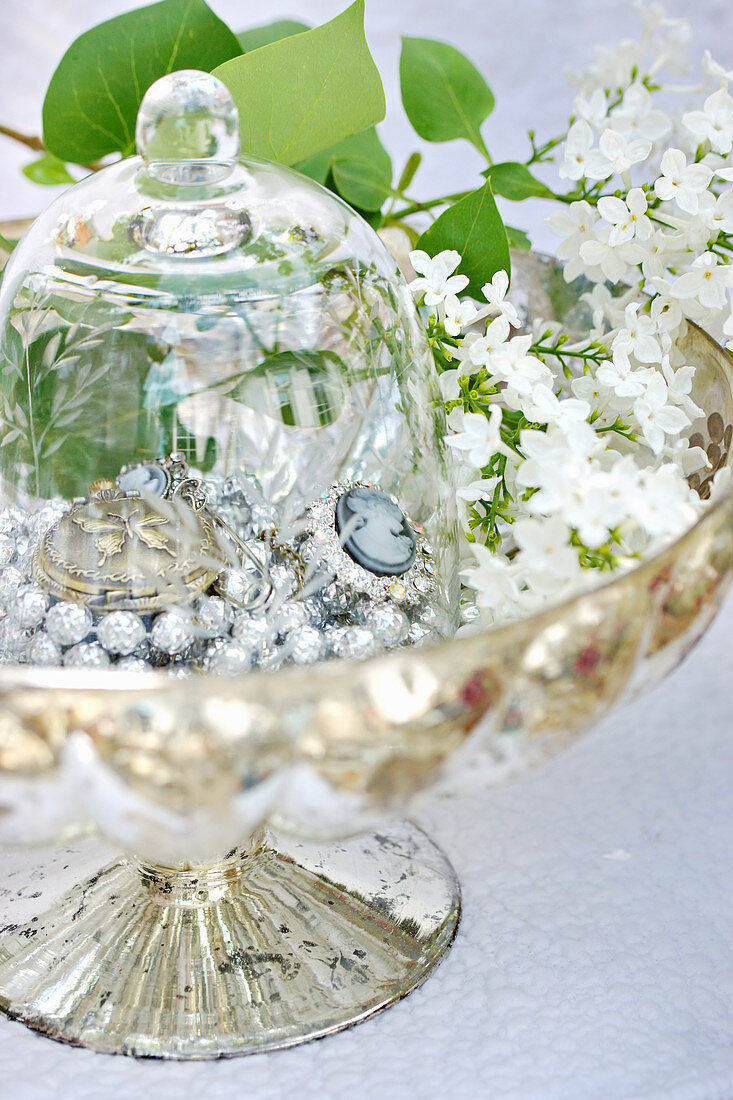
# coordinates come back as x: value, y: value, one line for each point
x: 375, y: 532
x: 147, y: 479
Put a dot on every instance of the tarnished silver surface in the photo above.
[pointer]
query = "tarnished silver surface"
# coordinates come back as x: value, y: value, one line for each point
x: 283, y: 943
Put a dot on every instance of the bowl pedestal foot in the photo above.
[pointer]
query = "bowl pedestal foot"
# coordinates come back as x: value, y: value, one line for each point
x: 287, y: 942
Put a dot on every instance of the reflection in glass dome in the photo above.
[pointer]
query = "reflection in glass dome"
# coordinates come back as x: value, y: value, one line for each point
x: 242, y: 339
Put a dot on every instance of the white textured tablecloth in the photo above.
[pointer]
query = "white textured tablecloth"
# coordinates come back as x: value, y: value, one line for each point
x: 595, y: 958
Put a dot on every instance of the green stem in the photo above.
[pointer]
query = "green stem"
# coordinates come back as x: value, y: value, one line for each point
x: 428, y: 204
x: 30, y: 140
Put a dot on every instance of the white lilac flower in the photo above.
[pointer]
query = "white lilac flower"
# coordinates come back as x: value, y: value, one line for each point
x: 661, y: 251
x: 682, y: 182
x: 625, y: 381
x: 714, y: 123
x: 544, y: 407
x: 669, y: 505
x: 495, y: 294
x: 608, y: 309
x: 612, y: 67
x: 655, y: 416
x: 547, y: 558
x: 722, y: 483
x: 728, y: 326
x: 436, y: 279
x: 476, y: 348
x: 637, y: 337
x: 696, y: 230
x: 575, y: 224
x: 689, y: 459
x: 458, y: 314
x: 593, y: 109
x: 615, y: 155
x: 628, y: 218
x: 721, y: 217
x: 706, y: 282
x: 479, y: 436
x: 449, y: 387
x: 637, y: 117
x: 679, y: 387
x: 724, y: 171
x: 576, y: 148
x: 716, y: 71
x: 666, y: 313
x: 600, y: 508
x: 492, y: 580
x: 591, y: 389
x: 613, y: 260
x: 556, y: 463
x: 521, y: 371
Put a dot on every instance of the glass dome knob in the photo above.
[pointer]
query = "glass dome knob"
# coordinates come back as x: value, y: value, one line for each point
x: 187, y: 135
x: 187, y: 128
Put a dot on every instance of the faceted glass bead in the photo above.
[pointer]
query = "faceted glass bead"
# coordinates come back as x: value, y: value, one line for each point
x: 171, y: 633
x: 86, y: 655
x: 68, y: 623
x: 121, y: 632
x: 29, y: 607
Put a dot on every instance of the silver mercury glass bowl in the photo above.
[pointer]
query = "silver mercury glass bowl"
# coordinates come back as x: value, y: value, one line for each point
x: 265, y: 890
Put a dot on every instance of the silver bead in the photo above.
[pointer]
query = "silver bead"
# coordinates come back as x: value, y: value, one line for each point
x: 44, y: 651
x: 334, y: 599
x: 213, y: 616
x: 237, y: 585
x: 418, y: 635
x: 121, y: 632
x: 10, y: 581
x: 250, y: 630
x: 289, y: 617
x: 171, y: 633
x: 388, y: 623
x: 428, y: 615
x: 305, y: 646
x: 7, y: 549
x: 270, y: 658
x: 132, y: 664
x: 228, y: 658
x: 68, y: 623
x: 29, y: 606
x: 352, y: 642
x: 283, y: 580
x: 86, y: 655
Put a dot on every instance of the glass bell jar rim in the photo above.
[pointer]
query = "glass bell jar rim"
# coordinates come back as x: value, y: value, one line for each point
x: 87, y: 681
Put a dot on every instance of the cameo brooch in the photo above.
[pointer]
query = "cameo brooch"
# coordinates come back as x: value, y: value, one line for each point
x: 370, y: 546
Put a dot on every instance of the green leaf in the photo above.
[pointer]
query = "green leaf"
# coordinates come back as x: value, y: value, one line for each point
x: 517, y: 238
x: 474, y: 228
x: 271, y: 32
x: 444, y: 95
x: 514, y: 181
x: 359, y: 168
x: 92, y: 100
x: 48, y: 171
x: 299, y: 96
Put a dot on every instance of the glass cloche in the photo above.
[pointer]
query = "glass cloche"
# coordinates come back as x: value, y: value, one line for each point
x: 221, y: 429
